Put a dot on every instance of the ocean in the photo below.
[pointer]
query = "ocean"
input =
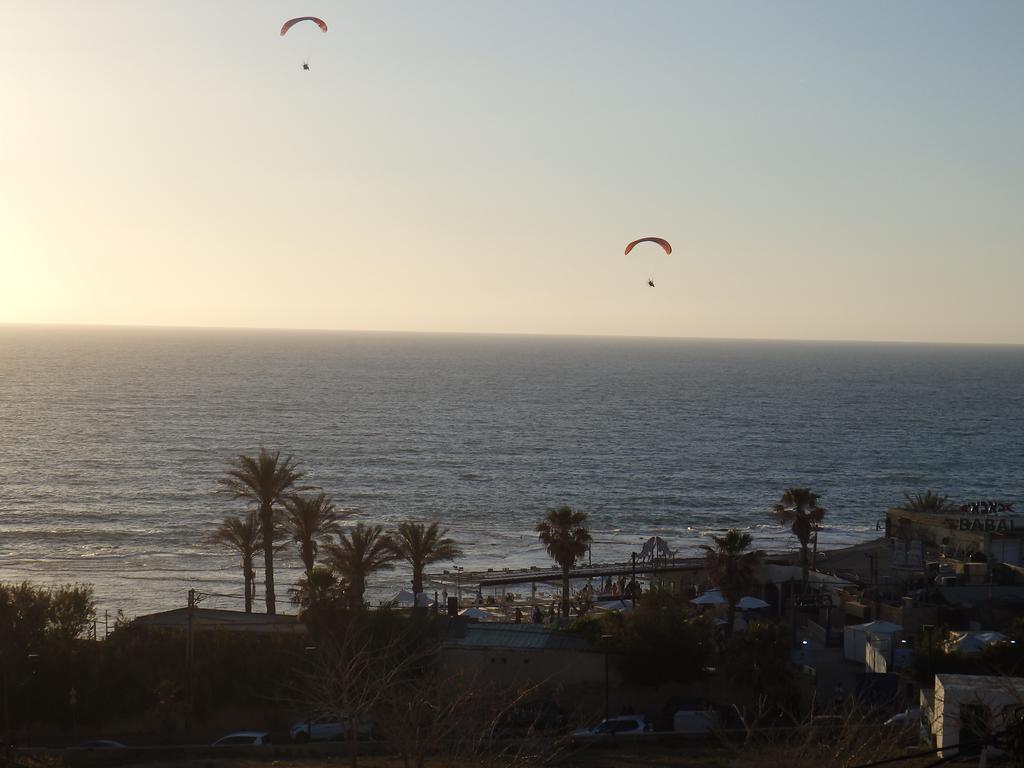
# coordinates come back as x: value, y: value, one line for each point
x: 112, y: 441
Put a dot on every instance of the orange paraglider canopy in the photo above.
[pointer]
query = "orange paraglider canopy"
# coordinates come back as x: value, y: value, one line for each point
x: 292, y: 22
x: 665, y: 244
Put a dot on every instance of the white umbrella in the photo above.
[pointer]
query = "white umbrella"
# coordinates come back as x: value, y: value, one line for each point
x: 711, y: 597
x: 477, y: 613
x: 748, y: 603
x: 404, y: 599
x: 620, y: 606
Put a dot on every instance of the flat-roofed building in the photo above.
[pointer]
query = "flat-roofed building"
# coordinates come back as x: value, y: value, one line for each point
x: 992, y: 529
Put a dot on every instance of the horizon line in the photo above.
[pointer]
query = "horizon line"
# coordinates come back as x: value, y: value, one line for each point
x: 532, y: 334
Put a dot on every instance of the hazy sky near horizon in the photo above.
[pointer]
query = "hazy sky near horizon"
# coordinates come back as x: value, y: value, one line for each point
x: 824, y: 170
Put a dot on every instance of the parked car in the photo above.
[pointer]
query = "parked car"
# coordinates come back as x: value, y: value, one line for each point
x: 907, y: 717
x: 327, y: 727
x: 244, y: 738
x: 623, y: 725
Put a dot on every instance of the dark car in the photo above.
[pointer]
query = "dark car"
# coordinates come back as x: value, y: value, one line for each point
x: 99, y: 744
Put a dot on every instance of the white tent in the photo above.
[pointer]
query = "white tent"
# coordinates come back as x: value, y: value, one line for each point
x: 404, y: 599
x: 855, y: 638
x: 711, y: 597
x: 973, y: 642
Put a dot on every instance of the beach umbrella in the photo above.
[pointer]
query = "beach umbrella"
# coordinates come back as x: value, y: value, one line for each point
x: 711, y: 597
x: 748, y: 603
x: 404, y: 599
x: 477, y: 613
x: 614, y: 606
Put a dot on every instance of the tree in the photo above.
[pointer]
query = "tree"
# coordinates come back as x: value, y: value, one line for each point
x: 320, y: 598
x: 311, y: 521
x: 656, y: 643
x: 243, y: 535
x: 566, y: 539
x: 799, y: 506
x: 759, y: 659
x: 72, y: 610
x: 930, y: 502
x: 360, y: 551
x: 265, y: 480
x: 732, y: 567
x: 420, y: 545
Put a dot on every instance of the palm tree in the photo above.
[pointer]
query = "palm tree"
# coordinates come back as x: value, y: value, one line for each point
x: 359, y: 552
x: 266, y: 480
x: 732, y: 567
x: 566, y: 539
x: 800, y: 507
x: 321, y: 586
x: 930, y: 502
x: 243, y: 535
x: 311, y: 521
x: 420, y: 545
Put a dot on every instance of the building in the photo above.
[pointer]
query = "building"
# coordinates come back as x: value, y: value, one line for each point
x: 969, y: 708
x: 226, y: 621
x: 991, y: 529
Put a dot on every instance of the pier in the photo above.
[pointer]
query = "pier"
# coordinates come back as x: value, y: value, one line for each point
x: 536, y: 574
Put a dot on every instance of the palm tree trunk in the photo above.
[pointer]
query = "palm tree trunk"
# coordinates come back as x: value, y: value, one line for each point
x: 804, y: 566
x: 247, y: 574
x: 355, y: 595
x: 814, y: 557
x: 267, y: 526
x: 307, y: 558
x: 417, y: 582
x: 565, y: 590
x: 731, y: 617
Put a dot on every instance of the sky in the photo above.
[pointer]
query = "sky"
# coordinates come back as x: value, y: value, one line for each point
x: 824, y: 170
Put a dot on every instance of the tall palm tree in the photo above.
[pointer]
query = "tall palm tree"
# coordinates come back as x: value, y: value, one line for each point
x: 566, y: 539
x: 311, y: 521
x: 265, y: 480
x: 931, y: 502
x: 243, y: 535
x: 360, y: 551
x: 420, y: 545
x: 732, y: 567
x: 799, y: 506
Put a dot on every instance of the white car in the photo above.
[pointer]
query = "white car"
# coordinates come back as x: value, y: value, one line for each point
x: 327, y: 728
x: 907, y: 717
x: 244, y: 738
x: 623, y: 725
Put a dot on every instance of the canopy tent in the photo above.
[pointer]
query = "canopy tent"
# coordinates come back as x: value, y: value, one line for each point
x: 973, y: 642
x: 855, y: 637
x: 748, y: 603
x: 711, y: 597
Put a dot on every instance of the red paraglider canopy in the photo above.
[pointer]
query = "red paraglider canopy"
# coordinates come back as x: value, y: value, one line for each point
x: 659, y: 240
x: 292, y: 22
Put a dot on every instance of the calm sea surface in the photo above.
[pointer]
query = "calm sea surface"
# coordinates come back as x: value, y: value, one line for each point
x: 112, y: 440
